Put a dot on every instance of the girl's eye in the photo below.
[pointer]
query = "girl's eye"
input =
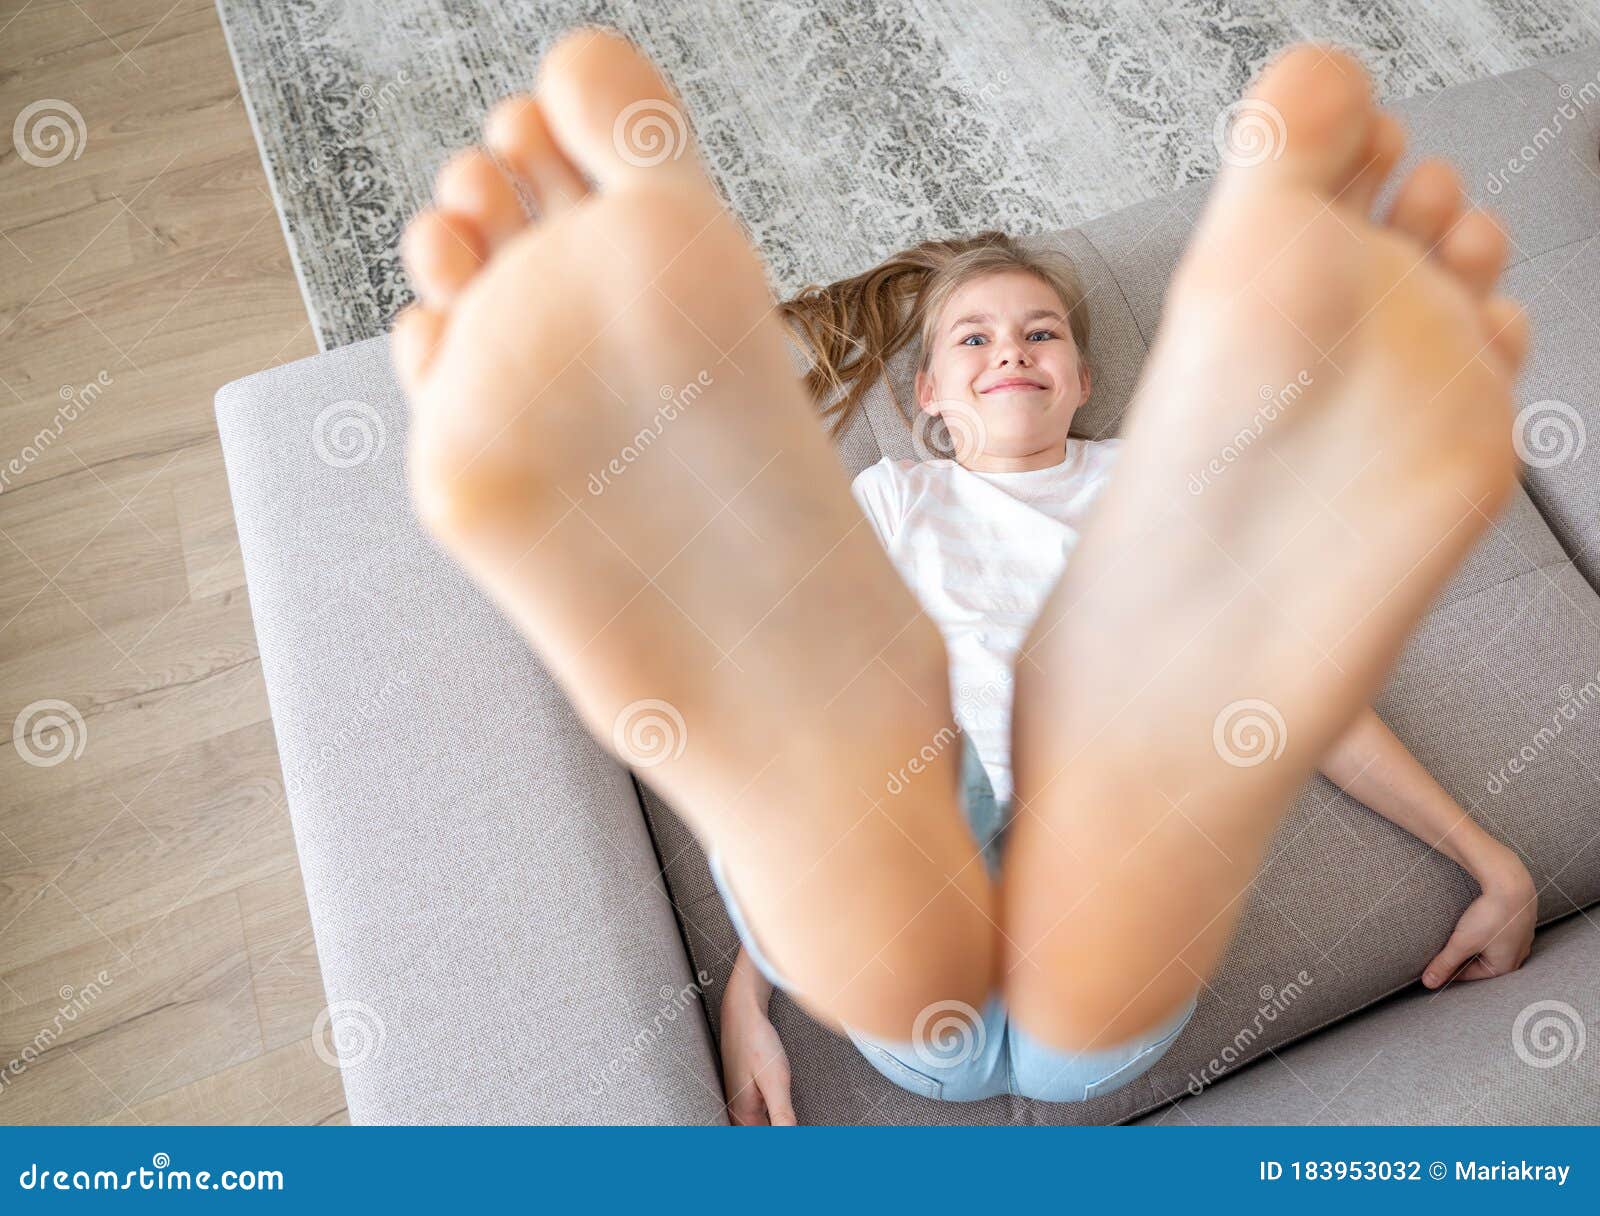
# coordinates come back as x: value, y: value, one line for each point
x: 1038, y: 335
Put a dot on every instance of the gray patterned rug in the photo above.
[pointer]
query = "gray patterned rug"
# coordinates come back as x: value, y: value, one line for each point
x: 838, y: 130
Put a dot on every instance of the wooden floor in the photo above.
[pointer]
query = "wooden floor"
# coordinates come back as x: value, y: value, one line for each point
x: 156, y: 962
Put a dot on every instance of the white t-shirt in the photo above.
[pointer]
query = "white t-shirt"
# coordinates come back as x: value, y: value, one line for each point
x: 981, y: 551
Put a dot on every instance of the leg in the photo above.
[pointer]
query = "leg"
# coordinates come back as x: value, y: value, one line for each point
x: 1278, y: 596
x: 608, y: 435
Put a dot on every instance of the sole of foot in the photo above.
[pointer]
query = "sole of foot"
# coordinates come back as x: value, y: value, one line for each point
x: 608, y: 434
x: 1322, y: 431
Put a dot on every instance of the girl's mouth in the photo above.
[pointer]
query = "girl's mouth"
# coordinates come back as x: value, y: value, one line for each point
x: 1014, y: 384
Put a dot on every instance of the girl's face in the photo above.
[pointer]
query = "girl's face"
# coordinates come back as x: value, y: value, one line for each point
x: 1004, y: 371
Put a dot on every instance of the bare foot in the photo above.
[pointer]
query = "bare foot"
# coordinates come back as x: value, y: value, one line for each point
x: 1322, y: 431
x: 609, y: 436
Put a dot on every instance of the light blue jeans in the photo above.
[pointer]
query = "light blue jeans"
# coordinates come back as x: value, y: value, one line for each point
x: 960, y: 1054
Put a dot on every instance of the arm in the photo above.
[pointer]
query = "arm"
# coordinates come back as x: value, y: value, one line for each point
x: 755, y: 1070
x: 1371, y: 764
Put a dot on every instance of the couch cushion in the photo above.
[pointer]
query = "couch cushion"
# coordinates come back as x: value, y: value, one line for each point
x: 1559, y: 416
x: 1347, y: 907
x: 438, y: 806
x: 1514, y: 1050
x: 493, y: 942
x: 1537, y: 162
x: 1482, y: 695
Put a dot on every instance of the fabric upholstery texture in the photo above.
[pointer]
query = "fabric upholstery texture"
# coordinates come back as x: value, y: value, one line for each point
x: 1516, y: 1050
x: 485, y: 899
x: 479, y: 874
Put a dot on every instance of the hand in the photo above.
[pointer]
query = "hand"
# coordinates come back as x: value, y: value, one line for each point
x: 755, y: 1070
x: 1495, y: 933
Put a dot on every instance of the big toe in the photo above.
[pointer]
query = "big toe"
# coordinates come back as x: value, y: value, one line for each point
x: 611, y: 110
x: 1307, y: 121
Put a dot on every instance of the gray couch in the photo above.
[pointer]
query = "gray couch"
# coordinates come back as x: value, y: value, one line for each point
x: 514, y: 929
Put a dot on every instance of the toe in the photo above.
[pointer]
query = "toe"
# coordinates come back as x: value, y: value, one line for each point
x: 519, y: 135
x: 472, y: 185
x: 1428, y: 202
x: 1386, y: 140
x: 412, y: 342
x: 1306, y: 121
x: 611, y: 110
x: 1475, y: 249
x: 442, y: 251
x: 1507, y: 323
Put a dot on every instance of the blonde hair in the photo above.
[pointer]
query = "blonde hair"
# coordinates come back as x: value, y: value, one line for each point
x: 856, y: 325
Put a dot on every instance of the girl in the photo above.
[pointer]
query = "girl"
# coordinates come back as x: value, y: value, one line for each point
x: 981, y: 532
x: 724, y: 594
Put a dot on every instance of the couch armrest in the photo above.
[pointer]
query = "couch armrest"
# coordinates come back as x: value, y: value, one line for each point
x: 494, y: 937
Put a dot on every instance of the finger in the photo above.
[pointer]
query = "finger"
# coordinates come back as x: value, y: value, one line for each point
x: 746, y: 1095
x: 776, y: 1090
x: 747, y: 1106
x: 1456, y: 951
x: 746, y: 1112
x: 1477, y: 969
